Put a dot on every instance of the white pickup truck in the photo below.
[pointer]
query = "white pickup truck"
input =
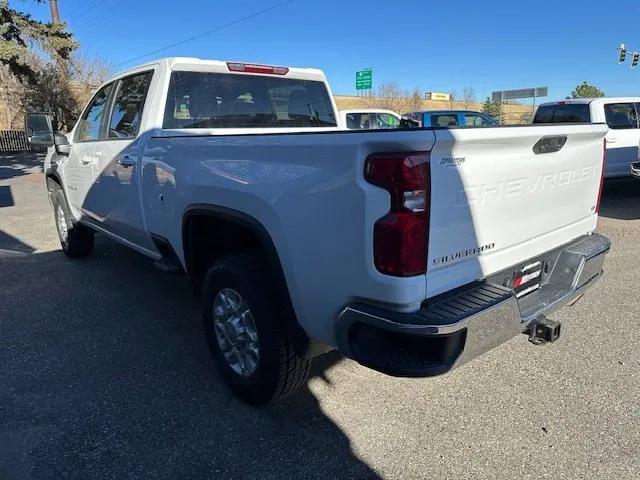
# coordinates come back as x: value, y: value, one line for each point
x: 621, y: 115
x: 411, y: 251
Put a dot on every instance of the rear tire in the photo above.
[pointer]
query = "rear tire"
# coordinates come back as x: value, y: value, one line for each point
x: 76, y: 239
x: 273, y: 369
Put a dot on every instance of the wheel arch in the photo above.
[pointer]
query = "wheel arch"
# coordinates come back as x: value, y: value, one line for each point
x: 253, y: 227
x: 51, y: 176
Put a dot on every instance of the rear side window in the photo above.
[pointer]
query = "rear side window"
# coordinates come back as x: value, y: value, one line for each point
x: 475, y: 120
x: 384, y: 120
x: 621, y: 115
x: 359, y: 121
x: 221, y: 100
x: 563, y: 113
x: 448, y: 120
x: 128, y: 106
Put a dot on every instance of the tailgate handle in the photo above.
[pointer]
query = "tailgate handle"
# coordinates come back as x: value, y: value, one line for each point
x: 550, y: 144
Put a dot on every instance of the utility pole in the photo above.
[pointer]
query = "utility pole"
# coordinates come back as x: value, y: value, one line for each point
x: 55, y: 15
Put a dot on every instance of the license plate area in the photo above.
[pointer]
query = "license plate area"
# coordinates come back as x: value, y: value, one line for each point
x: 527, y: 279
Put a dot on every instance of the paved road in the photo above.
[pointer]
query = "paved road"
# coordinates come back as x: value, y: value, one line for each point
x: 104, y: 373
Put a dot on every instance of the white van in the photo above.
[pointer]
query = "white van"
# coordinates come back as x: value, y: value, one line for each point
x: 619, y: 113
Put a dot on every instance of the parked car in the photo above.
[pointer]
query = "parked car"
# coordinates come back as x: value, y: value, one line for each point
x: 411, y: 251
x: 619, y: 113
x: 449, y: 118
x: 368, y: 119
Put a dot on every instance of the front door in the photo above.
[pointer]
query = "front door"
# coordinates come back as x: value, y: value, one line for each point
x: 79, y: 167
x: 622, y: 138
x: 117, y: 154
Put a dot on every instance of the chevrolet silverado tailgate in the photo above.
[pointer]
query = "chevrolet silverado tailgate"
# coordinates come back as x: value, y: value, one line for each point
x: 500, y: 196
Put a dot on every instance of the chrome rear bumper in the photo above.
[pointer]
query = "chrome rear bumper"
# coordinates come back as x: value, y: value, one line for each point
x: 454, y: 328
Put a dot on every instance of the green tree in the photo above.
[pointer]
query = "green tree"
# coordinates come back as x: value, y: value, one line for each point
x: 586, y: 90
x: 493, y: 108
x: 18, y: 32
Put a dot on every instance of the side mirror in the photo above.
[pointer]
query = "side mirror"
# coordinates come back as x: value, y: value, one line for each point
x: 39, y: 129
x: 62, y: 144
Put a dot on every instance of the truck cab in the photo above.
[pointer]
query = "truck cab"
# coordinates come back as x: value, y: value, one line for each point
x: 619, y: 113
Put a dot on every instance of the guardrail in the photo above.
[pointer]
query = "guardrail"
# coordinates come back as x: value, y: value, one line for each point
x: 13, y: 141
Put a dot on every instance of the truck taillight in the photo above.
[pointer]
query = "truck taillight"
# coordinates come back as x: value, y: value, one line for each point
x: 400, y: 238
x: 604, y: 165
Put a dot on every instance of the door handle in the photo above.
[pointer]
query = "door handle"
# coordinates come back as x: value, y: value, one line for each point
x: 612, y: 139
x: 85, y: 159
x: 126, y: 161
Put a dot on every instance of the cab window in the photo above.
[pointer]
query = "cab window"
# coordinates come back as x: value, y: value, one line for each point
x: 359, y: 121
x: 384, y: 120
x: 221, y: 100
x: 475, y: 120
x: 90, y: 123
x: 621, y: 115
x: 563, y: 113
x: 444, y: 120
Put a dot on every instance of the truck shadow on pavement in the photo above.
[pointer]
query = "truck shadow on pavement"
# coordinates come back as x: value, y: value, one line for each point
x: 621, y: 199
x: 105, y: 373
x: 17, y: 164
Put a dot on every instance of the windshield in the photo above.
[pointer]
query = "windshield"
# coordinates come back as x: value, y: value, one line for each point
x: 221, y: 100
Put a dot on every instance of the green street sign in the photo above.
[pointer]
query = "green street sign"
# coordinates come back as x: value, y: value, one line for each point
x: 364, y: 79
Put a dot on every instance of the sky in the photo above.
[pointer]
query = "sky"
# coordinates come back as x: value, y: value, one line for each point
x: 441, y: 46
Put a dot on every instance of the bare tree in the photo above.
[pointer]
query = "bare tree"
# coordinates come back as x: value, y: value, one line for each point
x: 88, y: 72
x: 416, y: 99
x: 12, y: 93
x: 452, y: 99
x: 390, y: 96
x: 61, y: 93
x: 468, y: 97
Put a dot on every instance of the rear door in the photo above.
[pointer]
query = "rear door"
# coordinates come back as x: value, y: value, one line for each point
x: 496, y: 203
x: 622, y: 138
x: 116, y: 193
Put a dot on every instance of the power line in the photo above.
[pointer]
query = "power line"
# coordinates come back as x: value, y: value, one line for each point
x: 103, y: 16
x: 77, y: 14
x: 208, y: 32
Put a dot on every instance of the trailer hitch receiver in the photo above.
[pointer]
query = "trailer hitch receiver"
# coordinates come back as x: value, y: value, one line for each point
x: 543, y: 331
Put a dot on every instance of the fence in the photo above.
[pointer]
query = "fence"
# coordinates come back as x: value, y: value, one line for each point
x: 13, y: 141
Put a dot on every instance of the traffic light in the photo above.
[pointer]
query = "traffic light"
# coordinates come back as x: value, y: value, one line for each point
x: 623, y: 53
x: 634, y: 59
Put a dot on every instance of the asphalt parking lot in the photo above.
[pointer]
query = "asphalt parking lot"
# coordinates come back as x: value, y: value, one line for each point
x: 105, y: 373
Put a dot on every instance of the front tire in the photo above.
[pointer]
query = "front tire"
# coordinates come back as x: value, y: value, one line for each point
x: 246, y: 331
x: 76, y: 239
